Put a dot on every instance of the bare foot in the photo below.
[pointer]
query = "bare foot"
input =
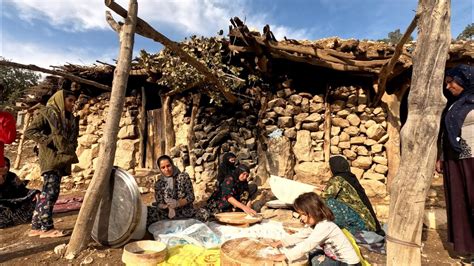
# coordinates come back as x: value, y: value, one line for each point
x: 54, y: 233
x: 33, y: 232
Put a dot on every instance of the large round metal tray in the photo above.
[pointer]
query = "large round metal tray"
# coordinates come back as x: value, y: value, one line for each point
x: 119, y: 210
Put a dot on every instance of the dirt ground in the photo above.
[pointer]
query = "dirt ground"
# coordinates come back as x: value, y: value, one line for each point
x: 17, y: 248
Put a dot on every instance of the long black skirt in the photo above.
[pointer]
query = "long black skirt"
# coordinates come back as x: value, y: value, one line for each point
x: 459, y: 191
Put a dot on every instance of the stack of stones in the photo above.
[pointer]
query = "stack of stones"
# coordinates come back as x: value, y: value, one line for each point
x: 215, y: 132
x: 358, y: 132
x: 92, y: 123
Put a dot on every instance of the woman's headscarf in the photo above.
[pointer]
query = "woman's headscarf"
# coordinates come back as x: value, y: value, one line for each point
x: 226, y: 167
x: 340, y: 167
x: 241, y: 168
x: 59, y: 120
x: 170, y: 180
x: 462, y: 75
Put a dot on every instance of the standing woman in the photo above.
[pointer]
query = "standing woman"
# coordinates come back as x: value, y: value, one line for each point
x: 55, y: 130
x: 457, y: 159
x: 174, y: 193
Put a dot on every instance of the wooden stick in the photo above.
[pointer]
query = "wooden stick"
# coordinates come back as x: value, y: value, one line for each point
x: 392, y: 146
x: 387, y: 69
x: 143, y: 132
x: 168, y: 124
x: 196, y: 99
x: 57, y: 73
x: 85, y: 221
x: 327, y: 126
x: 148, y: 31
x: 16, y: 165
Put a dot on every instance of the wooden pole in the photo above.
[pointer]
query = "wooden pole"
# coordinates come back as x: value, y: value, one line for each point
x: 57, y: 73
x: 16, y: 165
x: 83, y: 227
x: 148, y: 31
x: 419, y: 134
x: 143, y: 131
x: 386, y: 70
x: 392, y: 146
x: 168, y: 124
x: 196, y: 99
x: 327, y: 126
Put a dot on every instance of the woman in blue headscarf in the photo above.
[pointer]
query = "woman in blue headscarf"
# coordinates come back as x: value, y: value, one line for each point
x: 457, y: 159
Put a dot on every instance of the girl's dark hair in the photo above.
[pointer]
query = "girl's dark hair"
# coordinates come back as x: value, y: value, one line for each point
x: 241, y: 168
x: 162, y: 158
x: 312, y: 205
x: 67, y: 93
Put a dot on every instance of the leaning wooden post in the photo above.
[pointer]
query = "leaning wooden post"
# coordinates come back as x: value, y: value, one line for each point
x: 327, y: 126
x: 83, y: 227
x: 26, y: 121
x: 419, y: 134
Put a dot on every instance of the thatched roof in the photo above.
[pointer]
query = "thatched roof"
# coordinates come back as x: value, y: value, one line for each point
x: 248, y: 57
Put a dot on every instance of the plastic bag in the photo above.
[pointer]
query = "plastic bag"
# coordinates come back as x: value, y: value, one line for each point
x: 182, y: 232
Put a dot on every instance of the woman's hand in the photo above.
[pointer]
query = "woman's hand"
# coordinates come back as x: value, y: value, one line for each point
x: 162, y: 206
x: 277, y: 257
x: 249, y: 210
x: 276, y: 244
x: 439, y: 166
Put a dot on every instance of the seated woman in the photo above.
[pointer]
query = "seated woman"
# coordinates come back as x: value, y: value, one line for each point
x: 17, y: 203
x: 347, y: 199
x: 174, y: 193
x: 232, y: 194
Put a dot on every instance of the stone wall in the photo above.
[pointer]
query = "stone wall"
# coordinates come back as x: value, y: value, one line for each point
x: 358, y: 132
x: 91, y: 126
x: 216, y: 131
x: 293, y: 126
x: 292, y: 130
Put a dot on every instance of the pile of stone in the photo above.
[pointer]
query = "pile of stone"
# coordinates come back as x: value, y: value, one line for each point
x: 215, y: 132
x: 358, y: 132
x: 91, y: 124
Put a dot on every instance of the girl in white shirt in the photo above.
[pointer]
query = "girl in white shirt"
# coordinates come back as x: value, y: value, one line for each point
x: 333, y: 248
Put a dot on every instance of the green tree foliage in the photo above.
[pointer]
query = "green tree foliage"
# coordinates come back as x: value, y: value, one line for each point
x: 13, y: 82
x: 467, y: 33
x: 394, y: 37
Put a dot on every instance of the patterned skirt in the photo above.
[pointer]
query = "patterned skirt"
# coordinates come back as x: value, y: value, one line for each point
x: 345, y: 216
x: 17, y: 211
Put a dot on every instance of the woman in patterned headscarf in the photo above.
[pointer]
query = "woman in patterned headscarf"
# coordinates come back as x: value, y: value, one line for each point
x: 457, y: 159
x: 174, y: 193
x: 347, y: 199
x: 233, y: 194
x: 55, y: 130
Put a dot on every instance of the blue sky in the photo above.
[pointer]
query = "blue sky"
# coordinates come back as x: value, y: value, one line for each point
x: 56, y: 32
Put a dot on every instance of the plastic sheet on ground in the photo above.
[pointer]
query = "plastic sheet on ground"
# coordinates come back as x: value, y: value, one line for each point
x: 186, y: 231
x: 212, y: 234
